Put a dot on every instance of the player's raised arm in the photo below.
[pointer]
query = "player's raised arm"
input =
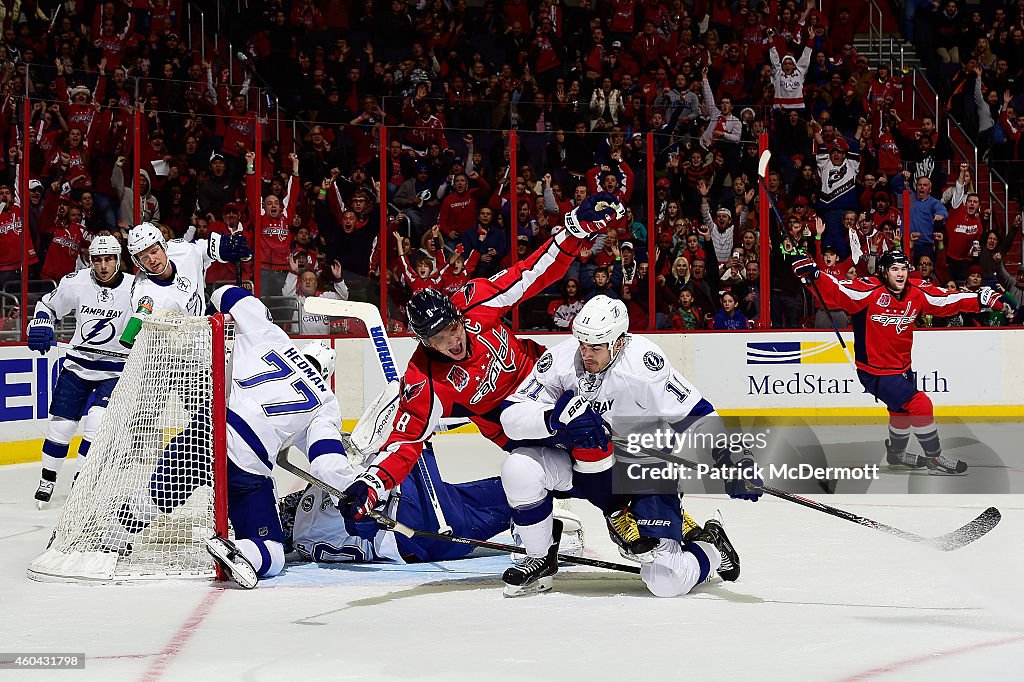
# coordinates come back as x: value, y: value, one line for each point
x: 851, y: 296
x: 546, y: 265
x: 248, y: 312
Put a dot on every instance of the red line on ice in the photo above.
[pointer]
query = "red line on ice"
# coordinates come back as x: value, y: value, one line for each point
x: 929, y: 658
x: 181, y: 637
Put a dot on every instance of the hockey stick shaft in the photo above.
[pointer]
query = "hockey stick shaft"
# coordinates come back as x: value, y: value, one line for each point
x: 762, y: 169
x: 86, y: 349
x: 956, y: 539
x: 391, y: 524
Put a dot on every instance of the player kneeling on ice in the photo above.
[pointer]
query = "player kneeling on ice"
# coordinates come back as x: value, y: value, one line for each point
x: 101, y: 304
x: 883, y: 311
x: 279, y: 397
x: 605, y: 379
x: 477, y: 509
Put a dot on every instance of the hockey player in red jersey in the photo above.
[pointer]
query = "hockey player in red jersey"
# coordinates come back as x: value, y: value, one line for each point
x: 469, y: 361
x: 883, y: 311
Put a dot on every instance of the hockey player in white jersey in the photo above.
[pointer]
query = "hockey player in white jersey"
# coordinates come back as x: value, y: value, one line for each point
x: 172, y: 274
x: 606, y: 378
x: 101, y: 302
x: 316, y: 530
x: 279, y: 397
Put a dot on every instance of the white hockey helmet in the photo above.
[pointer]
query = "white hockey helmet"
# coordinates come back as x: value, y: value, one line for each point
x: 322, y: 356
x: 601, y: 320
x: 105, y: 245
x: 140, y: 238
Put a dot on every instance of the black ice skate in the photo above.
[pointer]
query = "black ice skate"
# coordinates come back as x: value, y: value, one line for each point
x: 943, y: 466
x: 714, y: 534
x: 233, y: 562
x: 43, y: 492
x: 533, y: 575
x: 901, y: 459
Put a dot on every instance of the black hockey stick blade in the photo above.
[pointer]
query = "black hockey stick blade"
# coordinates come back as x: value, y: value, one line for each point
x: 954, y: 540
x: 391, y: 524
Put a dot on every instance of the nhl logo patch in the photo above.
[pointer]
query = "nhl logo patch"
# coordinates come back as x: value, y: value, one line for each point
x: 183, y: 284
x: 458, y: 377
x: 885, y: 300
x: 653, y: 361
x: 545, y: 362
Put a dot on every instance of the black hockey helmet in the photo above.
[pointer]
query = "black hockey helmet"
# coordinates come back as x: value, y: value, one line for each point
x: 890, y: 258
x: 430, y: 311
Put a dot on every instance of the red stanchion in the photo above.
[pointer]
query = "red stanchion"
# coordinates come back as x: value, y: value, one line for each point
x: 26, y: 238
x: 513, y: 200
x: 652, y: 300
x: 764, y: 314
x: 908, y: 248
x: 257, y: 209
x: 382, y: 240
x: 136, y: 165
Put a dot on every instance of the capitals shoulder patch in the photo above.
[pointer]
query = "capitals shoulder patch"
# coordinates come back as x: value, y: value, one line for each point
x: 413, y: 390
x: 653, y: 361
x: 545, y: 362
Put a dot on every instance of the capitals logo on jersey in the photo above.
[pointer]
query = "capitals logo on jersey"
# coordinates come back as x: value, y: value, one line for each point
x: 502, y: 360
x: 900, y: 319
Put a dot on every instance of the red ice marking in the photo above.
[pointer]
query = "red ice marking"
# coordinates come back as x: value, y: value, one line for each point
x: 929, y: 658
x: 181, y: 637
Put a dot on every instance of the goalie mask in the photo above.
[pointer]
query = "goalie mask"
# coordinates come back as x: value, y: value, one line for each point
x: 321, y: 356
x: 140, y: 238
x: 105, y: 245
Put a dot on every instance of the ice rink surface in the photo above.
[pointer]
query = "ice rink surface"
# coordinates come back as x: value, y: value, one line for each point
x: 818, y: 599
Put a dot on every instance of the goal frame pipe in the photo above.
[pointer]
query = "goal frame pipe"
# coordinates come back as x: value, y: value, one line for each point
x: 218, y: 416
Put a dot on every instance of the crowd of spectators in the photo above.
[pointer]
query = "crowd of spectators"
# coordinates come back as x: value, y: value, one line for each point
x: 585, y: 85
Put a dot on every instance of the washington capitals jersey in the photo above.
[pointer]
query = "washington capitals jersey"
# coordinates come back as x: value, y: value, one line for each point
x: 638, y: 390
x: 101, y: 313
x: 883, y: 322
x: 497, y: 362
x: 184, y: 291
x: 277, y: 398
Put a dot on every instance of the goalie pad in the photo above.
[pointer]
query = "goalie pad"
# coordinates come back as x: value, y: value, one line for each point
x: 374, y: 426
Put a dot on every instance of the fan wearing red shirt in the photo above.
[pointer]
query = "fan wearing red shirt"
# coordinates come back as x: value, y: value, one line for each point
x: 883, y: 312
x: 273, y: 240
x: 963, y: 227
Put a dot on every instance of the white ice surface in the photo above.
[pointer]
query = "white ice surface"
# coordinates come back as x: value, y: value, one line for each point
x: 818, y: 599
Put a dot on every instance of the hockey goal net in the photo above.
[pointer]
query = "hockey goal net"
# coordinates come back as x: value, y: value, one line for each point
x: 153, y: 487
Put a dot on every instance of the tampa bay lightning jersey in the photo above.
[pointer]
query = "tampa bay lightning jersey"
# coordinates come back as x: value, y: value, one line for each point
x: 182, y: 293
x: 101, y: 313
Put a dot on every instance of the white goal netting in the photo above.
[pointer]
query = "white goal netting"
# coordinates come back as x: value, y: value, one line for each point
x: 144, y: 501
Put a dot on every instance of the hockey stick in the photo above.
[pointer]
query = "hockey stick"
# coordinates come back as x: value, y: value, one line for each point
x: 962, y: 536
x: 762, y: 170
x: 391, y: 524
x: 98, y: 351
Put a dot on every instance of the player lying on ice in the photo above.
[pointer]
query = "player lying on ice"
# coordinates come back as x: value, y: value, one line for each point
x: 607, y: 380
x: 279, y: 397
x: 477, y: 509
x: 883, y: 313
x: 468, y: 361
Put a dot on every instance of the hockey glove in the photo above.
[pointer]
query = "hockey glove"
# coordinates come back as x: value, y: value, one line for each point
x: 235, y: 249
x: 987, y: 298
x: 574, y: 418
x: 362, y: 495
x: 744, y: 483
x: 805, y: 268
x: 40, y: 333
x: 596, y: 214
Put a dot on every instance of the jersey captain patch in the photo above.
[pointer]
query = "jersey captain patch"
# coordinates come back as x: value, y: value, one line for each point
x: 653, y: 361
x: 458, y: 377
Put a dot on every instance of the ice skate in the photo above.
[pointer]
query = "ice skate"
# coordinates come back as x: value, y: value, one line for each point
x: 901, y: 460
x: 43, y: 493
x: 226, y: 554
x: 943, y: 466
x: 714, y: 534
x: 533, y: 575
x: 625, y: 533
